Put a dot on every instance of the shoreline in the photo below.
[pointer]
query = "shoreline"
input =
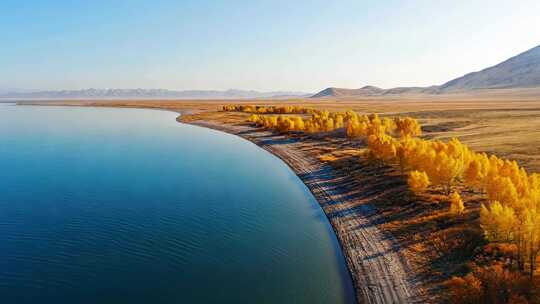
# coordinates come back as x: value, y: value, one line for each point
x: 379, y: 273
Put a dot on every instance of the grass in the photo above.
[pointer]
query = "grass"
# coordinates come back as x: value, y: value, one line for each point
x: 503, y: 122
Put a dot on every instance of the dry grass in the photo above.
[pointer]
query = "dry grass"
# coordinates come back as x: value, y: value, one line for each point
x: 504, y: 122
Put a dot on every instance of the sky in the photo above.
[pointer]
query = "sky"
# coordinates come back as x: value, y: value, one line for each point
x: 260, y: 45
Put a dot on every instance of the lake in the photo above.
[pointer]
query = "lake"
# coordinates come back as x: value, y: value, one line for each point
x: 128, y: 206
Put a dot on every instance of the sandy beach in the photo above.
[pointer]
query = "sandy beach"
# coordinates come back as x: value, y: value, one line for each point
x: 380, y: 272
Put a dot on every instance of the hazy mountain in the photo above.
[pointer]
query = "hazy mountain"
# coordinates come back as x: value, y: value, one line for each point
x: 521, y: 71
x: 374, y: 91
x: 148, y: 94
x: 340, y: 92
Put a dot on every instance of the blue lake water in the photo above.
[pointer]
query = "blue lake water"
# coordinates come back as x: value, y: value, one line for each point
x: 129, y: 206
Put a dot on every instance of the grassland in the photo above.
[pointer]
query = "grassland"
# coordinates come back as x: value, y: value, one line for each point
x: 503, y: 122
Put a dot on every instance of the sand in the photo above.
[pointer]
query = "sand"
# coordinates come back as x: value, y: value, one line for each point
x: 380, y: 272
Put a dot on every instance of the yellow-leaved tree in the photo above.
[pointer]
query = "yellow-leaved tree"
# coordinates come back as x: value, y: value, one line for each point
x: 498, y: 222
x: 382, y: 147
x: 418, y: 181
x: 477, y: 171
x: 404, y: 150
x: 456, y: 203
x: 408, y: 127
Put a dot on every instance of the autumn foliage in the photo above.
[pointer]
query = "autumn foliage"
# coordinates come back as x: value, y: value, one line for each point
x: 491, y: 285
x: 456, y: 204
x: 267, y: 110
x: 418, y: 181
x: 318, y: 121
x: 512, y: 212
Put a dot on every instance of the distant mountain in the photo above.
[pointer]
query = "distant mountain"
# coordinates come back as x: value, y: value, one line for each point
x: 374, y: 91
x: 521, y: 71
x: 340, y: 92
x: 148, y: 94
x: 6, y: 90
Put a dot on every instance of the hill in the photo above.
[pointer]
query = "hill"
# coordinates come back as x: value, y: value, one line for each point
x: 521, y: 71
x: 341, y: 92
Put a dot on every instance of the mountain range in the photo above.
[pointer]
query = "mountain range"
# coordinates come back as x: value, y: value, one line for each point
x: 149, y: 94
x: 521, y: 71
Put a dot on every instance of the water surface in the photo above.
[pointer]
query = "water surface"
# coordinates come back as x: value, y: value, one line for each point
x: 129, y: 206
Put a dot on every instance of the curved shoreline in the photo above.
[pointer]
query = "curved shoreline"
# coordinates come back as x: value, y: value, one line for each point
x: 380, y: 274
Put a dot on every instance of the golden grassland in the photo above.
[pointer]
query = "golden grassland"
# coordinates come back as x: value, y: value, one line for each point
x: 504, y: 124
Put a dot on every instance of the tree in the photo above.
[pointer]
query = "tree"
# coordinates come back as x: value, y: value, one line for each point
x: 465, y: 290
x: 492, y: 284
x: 443, y: 169
x: 339, y: 121
x: 456, y: 204
x: 531, y: 231
x: 477, y: 171
x: 502, y: 189
x: 404, y: 151
x: 408, y: 127
x: 418, y: 181
x: 299, y: 123
x: 329, y: 124
x: 389, y: 125
x: 498, y: 222
x: 382, y: 147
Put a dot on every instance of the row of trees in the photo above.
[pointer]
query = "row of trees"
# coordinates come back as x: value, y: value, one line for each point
x: 367, y: 125
x: 512, y: 215
x: 325, y: 121
x: 267, y: 110
x: 318, y: 121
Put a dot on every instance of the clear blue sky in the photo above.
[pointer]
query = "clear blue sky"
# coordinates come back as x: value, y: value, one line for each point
x: 262, y: 45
